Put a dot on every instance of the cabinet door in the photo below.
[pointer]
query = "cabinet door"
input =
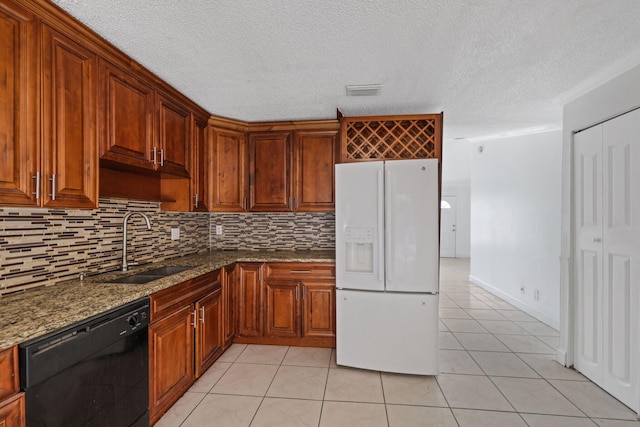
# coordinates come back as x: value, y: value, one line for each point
x: 200, y: 172
x: 229, y: 287
x: 282, y: 316
x: 171, y: 360
x: 318, y: 309
x: 70, y: 158
x: 209, y: 331
x: 174, y: 133
x: 228, y: 150
x: 250, y: 316
x: 126, y: 118
x: 314, y: 160
x: 9, y: 381
x: 269, y: 172
x: 12, y: 412
x: 19, y: 132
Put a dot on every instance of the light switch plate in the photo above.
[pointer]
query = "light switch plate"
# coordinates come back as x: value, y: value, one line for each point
x: 175, y: 234
x: 218, y: 229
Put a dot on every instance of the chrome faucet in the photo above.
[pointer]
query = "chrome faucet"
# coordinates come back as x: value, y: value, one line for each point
x: 125, y: 265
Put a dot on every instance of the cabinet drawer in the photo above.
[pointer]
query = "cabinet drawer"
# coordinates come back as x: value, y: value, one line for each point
x: 9, y: 380
x: 298, y: 270
x: 168, y: 300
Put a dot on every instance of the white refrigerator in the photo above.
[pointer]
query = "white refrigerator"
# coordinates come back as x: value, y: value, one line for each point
x: 387, y: 265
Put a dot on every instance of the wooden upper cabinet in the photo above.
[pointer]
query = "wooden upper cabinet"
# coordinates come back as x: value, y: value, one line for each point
x: 270, y: 172
x: 314, y: 160
x: 126, y: 106
x: 69, y: 144
x: 228, y: 151
x: 174, y: 136
x: 201, y: 170
x: 19, y: 131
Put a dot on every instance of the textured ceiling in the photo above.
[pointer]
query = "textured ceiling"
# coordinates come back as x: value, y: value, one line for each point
x: 492, y: 66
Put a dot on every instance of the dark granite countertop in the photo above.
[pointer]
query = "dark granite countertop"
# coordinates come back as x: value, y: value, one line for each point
x: 29, y: 314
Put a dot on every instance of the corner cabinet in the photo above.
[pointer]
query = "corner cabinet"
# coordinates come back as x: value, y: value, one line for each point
x: 185, y: 338
x: 250, y: 300
x: 270, y: 184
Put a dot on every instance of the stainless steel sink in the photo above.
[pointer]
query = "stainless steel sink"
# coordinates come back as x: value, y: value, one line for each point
x: 150, y: 275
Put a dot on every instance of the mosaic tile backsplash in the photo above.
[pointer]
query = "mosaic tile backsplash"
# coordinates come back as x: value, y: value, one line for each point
x: 277, y: 231
x: 44, y: 246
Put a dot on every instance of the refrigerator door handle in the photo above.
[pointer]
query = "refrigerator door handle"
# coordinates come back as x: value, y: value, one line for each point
x: 389, y: 232
x: 380, y: 226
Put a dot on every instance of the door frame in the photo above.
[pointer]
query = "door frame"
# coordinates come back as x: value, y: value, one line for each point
x: 455, y: 205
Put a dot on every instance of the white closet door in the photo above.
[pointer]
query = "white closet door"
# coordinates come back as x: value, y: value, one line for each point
x: 607, y: 256
x: 621, y: 256
x: 588, y: 252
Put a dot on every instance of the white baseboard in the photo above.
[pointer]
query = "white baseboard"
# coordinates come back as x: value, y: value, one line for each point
x: 555, y: 324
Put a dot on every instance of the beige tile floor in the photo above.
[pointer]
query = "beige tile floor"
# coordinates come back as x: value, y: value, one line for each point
x: 497, y: 365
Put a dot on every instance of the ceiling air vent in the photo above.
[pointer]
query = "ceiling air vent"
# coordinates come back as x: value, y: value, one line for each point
x: 364, y: 90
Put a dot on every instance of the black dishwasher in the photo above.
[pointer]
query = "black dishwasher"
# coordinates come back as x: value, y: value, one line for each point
x: 92, y: 373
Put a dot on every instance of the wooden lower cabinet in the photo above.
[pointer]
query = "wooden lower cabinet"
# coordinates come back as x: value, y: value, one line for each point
x: 287, y: 304
x: 250, y: 313
x: 185, y: 338
x: 12, y: 412
x: 282, y: 309
x: 171, y: 352
x: 319, y: 309
x: 209, y: 331
x: 228, y: 280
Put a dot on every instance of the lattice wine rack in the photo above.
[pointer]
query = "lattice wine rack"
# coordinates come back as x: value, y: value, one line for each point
x: 391, y: 137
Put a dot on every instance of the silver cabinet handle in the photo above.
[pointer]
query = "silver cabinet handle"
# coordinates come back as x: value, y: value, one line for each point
x: 53, y: 186
x: 195, y: 318
x: 296, y: 293
x: 304, y: 292
x: 154, y: 153
x: 201, y: 314
x: 244, y: 203
x: 37, y: 178
x: 300, y: 271
x: 196, y: 198
x: 162, y: 157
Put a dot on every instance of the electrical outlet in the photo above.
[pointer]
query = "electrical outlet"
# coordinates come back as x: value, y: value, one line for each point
x: 175, y: 234
x: 218, y: 229
x: 536, y: 295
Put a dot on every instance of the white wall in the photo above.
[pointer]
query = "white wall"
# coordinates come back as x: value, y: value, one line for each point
x: 617, y: 96
x: 456, y: 161
x: 515, y: 221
